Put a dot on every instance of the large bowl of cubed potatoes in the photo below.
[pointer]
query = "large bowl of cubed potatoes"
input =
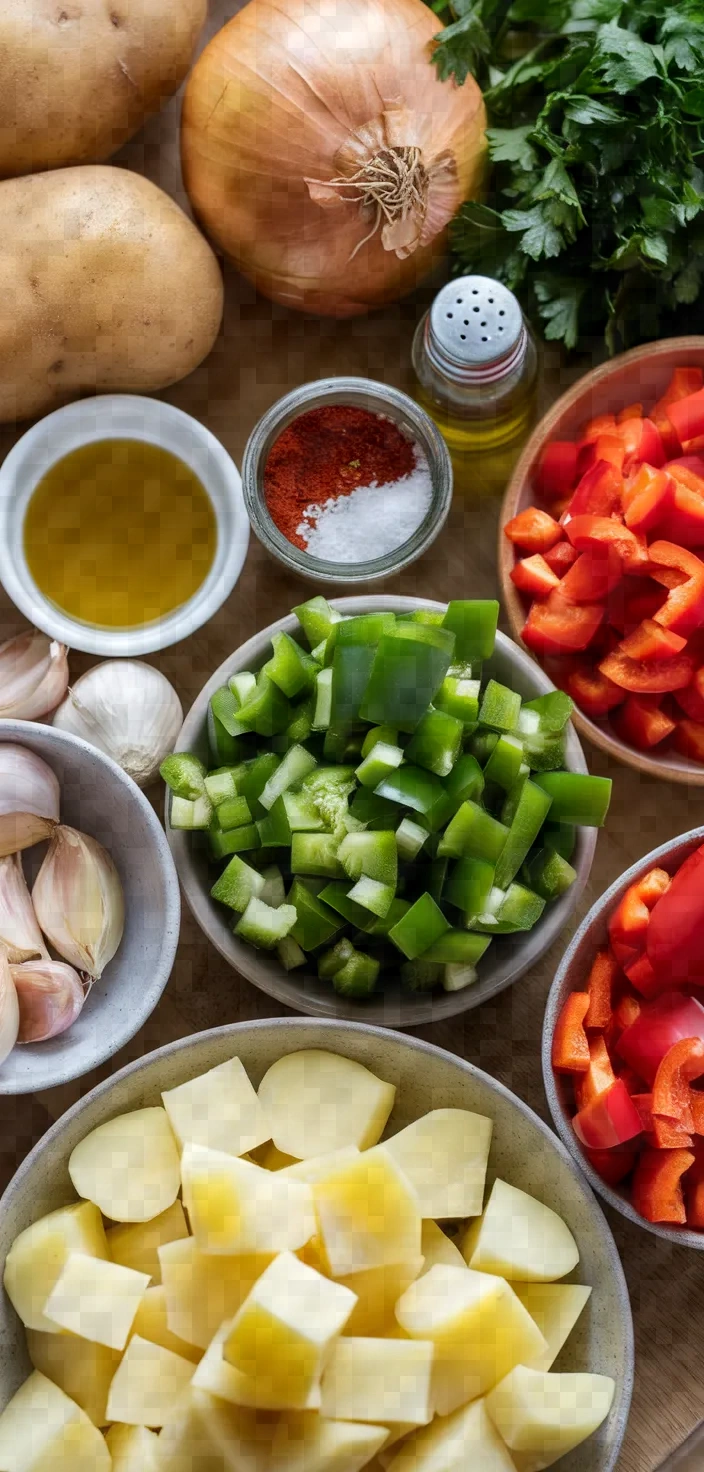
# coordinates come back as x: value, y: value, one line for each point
x: 308, y: 1246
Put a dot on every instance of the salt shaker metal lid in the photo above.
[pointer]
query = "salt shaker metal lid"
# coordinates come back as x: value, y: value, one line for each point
x: 475, y: 329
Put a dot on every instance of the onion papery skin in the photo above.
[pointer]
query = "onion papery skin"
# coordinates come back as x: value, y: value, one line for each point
x: 283, y: 91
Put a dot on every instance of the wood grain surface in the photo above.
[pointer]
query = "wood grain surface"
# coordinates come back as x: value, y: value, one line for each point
x: 262, y: 352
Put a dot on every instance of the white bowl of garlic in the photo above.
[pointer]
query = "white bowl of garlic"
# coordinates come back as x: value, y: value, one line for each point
x: 89, y: 907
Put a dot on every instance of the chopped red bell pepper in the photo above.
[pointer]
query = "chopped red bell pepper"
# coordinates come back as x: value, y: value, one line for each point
x: 593, y: 576
x: 661, y: 1024
x: 648, y: 498
x: 691, y: 698
x: 694, y: 1189
x: 533, y: 530
x: 688, y: 740
x: 600, y: 424
x: 589, y: 531
x: 651, y: 641
x: 695, y: 463
x: 684, y: 381
x: 634, y: 1084
x: 560, y: 557
x: 626, y: 1013
x: 556, y: 627
x: 641, y: 975
x: 642, y: 443
x: 657, y: 1185
x: 682, y: 1063
x: 683, y: 611
x: 570, y: 1045
x: 602, y: 977
x: 612, y: 1165
x: 599, y: 1076
x: 675, y: 937
x: 592, y: 692
x: 683, y: 522
x: 648, y: 677
x: 556, y: 471
x: 629, y: 924
x: 635, y: 599
x: 641, y: 723
x: 532, y: 575
x: 609, y: 447
x: 662, y: 1134
x: 631, y: 411
x: 598, y: 493
x: 610, y: 1119
x: 685, y: 473
x: 687, y: 416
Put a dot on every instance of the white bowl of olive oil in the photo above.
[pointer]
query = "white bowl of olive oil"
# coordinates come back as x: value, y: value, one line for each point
x: 122, y: 525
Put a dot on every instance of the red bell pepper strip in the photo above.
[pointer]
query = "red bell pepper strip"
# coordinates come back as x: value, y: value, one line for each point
x: 598, y: 493
x: 651, y: 641
x: 642, y: 442
x: 641, y: 723
x: 593, y: 576
x: 612, y: 1165
x: 682, y: 1063
x: 695, y: 463
x: 684, y: 381
x: 675, y: 937
x: 662, y: 1134
x: 533, y: 530
x: 641, y: 976
x: 590, y: 531
x: 657, y: 1185
x: 694, y: 1189
x: 686, y: 474
x: 687, y: 416
x: 631, y: 602
x: 688, y: 740
x: 662, y: 1023
x: 631, y: 411
x: 556, y: 471
x: 668, y: 577
x: 648, y: 677
x: 683, y: 611
x: 609, y: 447
x: 691, y: 698
x: 610, y: 1119
x: 603, y: 975
x: 629, y: 924
x: 592, y: 691
x: 683, y: 522
x: 570, y: 1045
x: 558, y: 627
x: 600, y: 424
x: 648, y: 498
x: 532, y: 575
x: 626, y: 1013
x: 599, y: 1076
x: 560, y: 557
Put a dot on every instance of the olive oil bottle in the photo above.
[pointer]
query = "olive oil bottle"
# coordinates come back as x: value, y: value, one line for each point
x: 475, y: 367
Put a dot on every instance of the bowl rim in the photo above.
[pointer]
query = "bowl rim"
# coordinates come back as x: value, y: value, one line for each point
x: 122, y: 416
x: 684, y: 771
x: 18, y: 731
x: 416, y: 1014
x: 679, y: 1236
x: 422, y: 1048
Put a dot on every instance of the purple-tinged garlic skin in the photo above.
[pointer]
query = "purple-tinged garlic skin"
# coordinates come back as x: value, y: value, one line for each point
x: 29, y: 798
x: 50, y: 996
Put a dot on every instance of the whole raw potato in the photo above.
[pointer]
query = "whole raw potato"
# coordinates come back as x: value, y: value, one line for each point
x: 79, y: 77
x: 104, y: 284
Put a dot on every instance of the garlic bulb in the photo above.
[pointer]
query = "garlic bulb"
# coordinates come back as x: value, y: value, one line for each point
x: 128, y: 710
x: 78, y: 901
x: 19, y: 931
x: 33, y: 676
x: 9, y: 1009
x: 50, y: 996
x: 29, y: 799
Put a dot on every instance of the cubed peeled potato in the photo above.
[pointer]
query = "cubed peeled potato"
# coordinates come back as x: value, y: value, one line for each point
x: 202, y: 1291
x: 556, y: 1308
x: 207, y: 1434
x: 368, y: 1214
x: 438, y: 1248
x: 445, y: 1155
x: 479, y: 1329
x: 310, y: 1443
x: 219, y: 1109
x: 151, y: 1322
x: 136, y: 1244
x: 129, y: 1166
x: 149, y: 1384
x: 319, y: 1167
x: 234, y: 1206
x: 378, y: 1291
x: 82, y: 1369
x: 466, y: 1441
x: 283, y: 1331
x: 317, y: 1102
x: 378, y: 1380
x: 37, y: 1257
x: 218, y: 1377
x: 541, y: 1416
x: 520, y: 1238
x: 96, y: 1299
x: 42, y: 1430
x: 132, y: 1448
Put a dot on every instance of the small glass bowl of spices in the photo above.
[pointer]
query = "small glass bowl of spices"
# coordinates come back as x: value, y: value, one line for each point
x: 346, y: 480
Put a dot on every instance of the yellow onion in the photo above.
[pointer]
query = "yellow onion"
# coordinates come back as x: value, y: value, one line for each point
x: 322, y: 153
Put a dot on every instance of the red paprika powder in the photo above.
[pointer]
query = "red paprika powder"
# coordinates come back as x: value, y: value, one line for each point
x: 330, y: 452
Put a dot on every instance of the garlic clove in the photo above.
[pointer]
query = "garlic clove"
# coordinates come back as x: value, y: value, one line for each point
x: 127, y: 709
x: 9, y: 1009
x: 29, y: 799
x: 78, y: 901
x: 50, y: 996
x: 33, y: 676
x: 19, y: 931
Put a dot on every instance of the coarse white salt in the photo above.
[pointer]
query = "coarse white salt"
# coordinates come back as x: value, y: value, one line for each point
x: 372, y: 520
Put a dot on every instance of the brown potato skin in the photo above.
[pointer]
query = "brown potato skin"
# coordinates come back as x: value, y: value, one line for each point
x: 79, y: 77
x: 105, y: 284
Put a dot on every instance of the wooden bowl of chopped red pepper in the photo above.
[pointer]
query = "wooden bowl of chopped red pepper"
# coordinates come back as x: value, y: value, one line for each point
x: 623, y: 1043
x: 601, y: 555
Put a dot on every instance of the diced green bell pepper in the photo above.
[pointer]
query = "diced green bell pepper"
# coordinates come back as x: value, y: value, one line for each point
x: 232, y: 814
x: 463, y: 946
x: 274, y: 828
x: 382, y: 924
x: 221, y: 786
x: 274, y: 892
x: 436, y: 742
x: 519, y: 909
x: 323, y: 700
x: 263, y: 926
x: 290, y: 954
x: 296, y: 765
x: 422, y: 791
x: 316, y: 618
x: 473, y: 622
x: 500, y: 708
x: 469, y: 885
x: 513, y: 796
x: 315, y: 853
x: 251, y: 778
x: 316, y: 923
x: 459, y: 698
x: 331, y: 961
x: 576, y: 797
x: 351, y: 667
x: 465, y: 782
x: 421, y: 975
x: 299, y: 728
x: 225, y: 706
x: 531, y: 811
x: 236, y: 841
x: 389, y: 734
x: 561, y: 838
x: 190, y: 815
x: 382, y: 760
x: 544, y: 752
x: 184, y: 774
x: 362, y: 628
x: 358, y: 976
x: 416, y: 931
x: 290, y: 667
x: 336, y: 895
x: 504, y: 764
x: 372, y: 895
x: 457, y: 975
x: 409, y: 667
x: 549, y: 874
x: 373, y: 810
x: 410, y: 838
x: 473, y: 833
x: 431, y: 616
x: 268, y: 710
x: 436, y: 877
x: 301, y: 812
x: 224, y: 748
x: 373, y: 855
x: 330, y: 788
x: 243, y: 685
x: 237, y: 885
x: 553, y: 711
x: 481, y: 745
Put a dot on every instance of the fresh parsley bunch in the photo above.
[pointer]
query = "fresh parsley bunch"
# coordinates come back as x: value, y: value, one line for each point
x: 596, y: 204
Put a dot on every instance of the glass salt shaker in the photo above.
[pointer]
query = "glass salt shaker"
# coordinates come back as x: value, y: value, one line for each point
x: 475, y: 366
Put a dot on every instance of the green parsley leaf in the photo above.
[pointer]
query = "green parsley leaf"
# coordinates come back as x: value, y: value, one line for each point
x: 511, y: 146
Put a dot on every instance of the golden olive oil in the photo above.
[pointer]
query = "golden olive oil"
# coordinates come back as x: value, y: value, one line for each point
x: 119, y: 533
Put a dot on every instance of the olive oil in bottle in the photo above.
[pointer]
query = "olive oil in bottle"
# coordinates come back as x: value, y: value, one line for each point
x: 475, y: 366
x: 119, y: 533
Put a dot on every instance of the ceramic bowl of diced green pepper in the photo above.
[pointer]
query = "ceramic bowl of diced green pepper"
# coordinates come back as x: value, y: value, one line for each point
x: 379, y: 809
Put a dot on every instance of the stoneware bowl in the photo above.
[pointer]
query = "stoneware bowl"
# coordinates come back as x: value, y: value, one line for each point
x: 524, y: 1151
x: 570, y: 977
x: 642, y: 374
x: 98, y: 798
x: 508, y: 957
